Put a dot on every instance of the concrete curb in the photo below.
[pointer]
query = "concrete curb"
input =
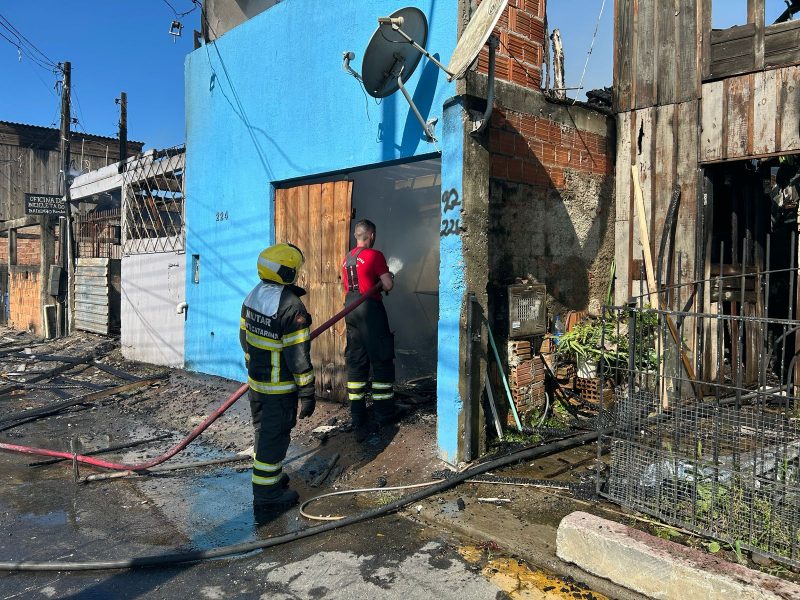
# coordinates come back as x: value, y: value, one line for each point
x: 659, y: 568
x: 533, y: 543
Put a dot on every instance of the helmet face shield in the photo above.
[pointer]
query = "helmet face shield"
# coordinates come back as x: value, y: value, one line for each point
x: 280, y: 263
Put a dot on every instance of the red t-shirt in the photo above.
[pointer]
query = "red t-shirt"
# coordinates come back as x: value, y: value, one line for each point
x: 371, y: 264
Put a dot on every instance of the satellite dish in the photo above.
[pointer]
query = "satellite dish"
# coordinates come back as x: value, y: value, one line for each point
x: 475, y: 35
x: 390, y: 59
x: 398, y: 45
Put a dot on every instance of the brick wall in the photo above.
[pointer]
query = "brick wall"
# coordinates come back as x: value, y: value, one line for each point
x: 25, y: 307
x: 522, y: 38
x: 550, y: 206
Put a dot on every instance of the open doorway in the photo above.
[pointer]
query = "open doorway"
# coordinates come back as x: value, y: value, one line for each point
x: 752, y: 261
x: 402, y: 200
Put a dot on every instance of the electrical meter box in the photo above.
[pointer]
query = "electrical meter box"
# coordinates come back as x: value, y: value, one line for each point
x: 527, y: 310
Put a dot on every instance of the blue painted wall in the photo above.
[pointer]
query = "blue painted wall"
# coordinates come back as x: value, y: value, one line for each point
x: 269, y: 102
x: 452, y: 286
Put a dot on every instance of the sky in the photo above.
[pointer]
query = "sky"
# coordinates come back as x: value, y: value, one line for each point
x: 125, y: 46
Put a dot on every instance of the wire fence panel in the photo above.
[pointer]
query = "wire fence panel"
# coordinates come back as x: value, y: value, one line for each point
x: 153, y: 202
x: 706, y: 424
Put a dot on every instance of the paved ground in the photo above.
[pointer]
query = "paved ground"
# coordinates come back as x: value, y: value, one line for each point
x: 46, y: 516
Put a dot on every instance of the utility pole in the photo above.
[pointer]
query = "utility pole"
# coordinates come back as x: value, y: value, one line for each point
x: 66, y: 233
x: 123, y: 130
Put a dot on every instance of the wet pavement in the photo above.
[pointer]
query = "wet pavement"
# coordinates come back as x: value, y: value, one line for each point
x: 45, y: 515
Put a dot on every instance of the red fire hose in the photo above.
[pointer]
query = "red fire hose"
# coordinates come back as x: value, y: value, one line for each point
x: 197, y: 430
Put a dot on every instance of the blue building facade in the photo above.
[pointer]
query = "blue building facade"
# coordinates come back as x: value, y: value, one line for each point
x: 268, y: 103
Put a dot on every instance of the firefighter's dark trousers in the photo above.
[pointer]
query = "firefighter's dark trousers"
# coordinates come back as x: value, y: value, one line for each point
x: 370, y: 344
x: 273, y: 419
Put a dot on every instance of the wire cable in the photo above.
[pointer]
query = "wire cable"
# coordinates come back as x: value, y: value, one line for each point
x: 24, y: 41
x: 591, y: 47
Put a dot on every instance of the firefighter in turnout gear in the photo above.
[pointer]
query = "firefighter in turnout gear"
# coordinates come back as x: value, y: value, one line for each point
x: 370, y: 343
x: 275, y: 337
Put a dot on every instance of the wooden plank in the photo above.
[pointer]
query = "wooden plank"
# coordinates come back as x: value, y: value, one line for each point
x: 301, y: 230
x: 314, y: 248
x: 330, y: 260
x: 764, y: 109
x: 645, y: 149
x: 623, y: 199
x: 91, y: 327
x: 92, y: 290
x: 92, y: 271
x: 91, y: 298
x: 645, y: 69
x: 280, y: 209
x: 711, y: 119
x: 737, y: 32
x: 663, y: 170
x: 739, y: 97
x: 666, y: 59
x: 88, y: 317
x: 789, y: 103
x: 688, y: 53
x: 755, y: 15
x: 342, y: 215
x: 93, y: 262
x: 100, y: 310
x: 623, y: 55
x: 782, y: 44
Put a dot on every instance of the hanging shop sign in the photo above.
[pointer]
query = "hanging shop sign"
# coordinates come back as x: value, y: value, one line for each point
x: 44, y: 204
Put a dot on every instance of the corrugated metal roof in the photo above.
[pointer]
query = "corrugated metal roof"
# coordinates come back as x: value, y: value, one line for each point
x: 54, y: 129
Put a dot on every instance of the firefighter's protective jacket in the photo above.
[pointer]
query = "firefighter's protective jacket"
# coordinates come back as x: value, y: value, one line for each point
x: 275, y: 334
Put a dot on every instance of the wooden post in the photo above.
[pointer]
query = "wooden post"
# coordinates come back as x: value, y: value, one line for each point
x: 46, y: 259
x: 123, y: 130
x: 65, y: 162
x: 755, y: 15
x: 558, y: 65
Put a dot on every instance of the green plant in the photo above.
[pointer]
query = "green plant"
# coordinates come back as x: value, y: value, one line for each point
x: 606, y: 341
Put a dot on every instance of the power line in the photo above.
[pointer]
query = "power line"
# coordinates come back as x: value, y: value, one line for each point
x: 8, y: 26
x: 591, y: 46
x: 182, y: 14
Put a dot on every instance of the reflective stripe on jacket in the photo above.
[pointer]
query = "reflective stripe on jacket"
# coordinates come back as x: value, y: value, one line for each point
x: 275, y: 332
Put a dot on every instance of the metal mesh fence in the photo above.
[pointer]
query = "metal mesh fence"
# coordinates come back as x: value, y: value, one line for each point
x: 153, y: 202
x: 706, y: 431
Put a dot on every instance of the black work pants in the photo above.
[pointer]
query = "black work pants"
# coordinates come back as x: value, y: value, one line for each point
x: 273, y: 419
x: 370, y: 345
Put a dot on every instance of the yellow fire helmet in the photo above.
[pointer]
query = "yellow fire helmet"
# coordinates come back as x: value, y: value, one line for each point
x: 280, y: 263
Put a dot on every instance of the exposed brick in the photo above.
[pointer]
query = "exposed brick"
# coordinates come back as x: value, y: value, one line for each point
x: 515, y: 170
x: 499, y: 169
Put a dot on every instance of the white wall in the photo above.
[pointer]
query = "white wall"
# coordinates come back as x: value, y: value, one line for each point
x: 152, y: 286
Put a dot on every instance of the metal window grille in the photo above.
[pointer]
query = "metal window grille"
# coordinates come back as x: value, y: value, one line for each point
x: 98, y: 234
x: 716, y: 452
x: 153, y: 202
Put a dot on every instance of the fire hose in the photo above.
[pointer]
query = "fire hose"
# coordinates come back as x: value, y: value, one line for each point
x: 96, y: 462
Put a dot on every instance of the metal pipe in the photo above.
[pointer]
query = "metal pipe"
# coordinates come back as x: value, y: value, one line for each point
x: 503, y: 377
x: 487, y: 115
x: 196, y: 431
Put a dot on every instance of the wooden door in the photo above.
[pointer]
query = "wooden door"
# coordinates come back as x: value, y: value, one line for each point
x: 316, y: 219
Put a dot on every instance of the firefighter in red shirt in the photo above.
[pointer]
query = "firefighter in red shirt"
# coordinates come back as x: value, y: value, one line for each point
x: 370, y: 343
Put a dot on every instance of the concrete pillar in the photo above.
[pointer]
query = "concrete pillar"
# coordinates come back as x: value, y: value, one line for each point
x: 452, y: 287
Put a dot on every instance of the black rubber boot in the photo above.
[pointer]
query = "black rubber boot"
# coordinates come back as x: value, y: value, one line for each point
x: 360, y: 419
x: 276, y: 499
x: 388, y: 413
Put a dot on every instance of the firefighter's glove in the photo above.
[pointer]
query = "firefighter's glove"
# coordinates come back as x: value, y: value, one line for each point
x: 307, y: 405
